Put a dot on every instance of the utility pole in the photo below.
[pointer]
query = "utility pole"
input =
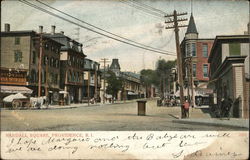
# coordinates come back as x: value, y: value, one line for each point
x: 104, y: 61
x: 175, y: 20
x: 95, y: 83
x: 40, y: 63
x: 47, y: 78
x: 88, y: 87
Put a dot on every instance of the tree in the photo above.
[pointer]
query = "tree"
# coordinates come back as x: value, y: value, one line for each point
x: 114, y: 84
x: 163, y: 71
x: 148, y: 77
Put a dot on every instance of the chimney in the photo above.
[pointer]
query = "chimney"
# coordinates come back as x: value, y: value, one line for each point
x: 6, y: 27
x: 62, y: 32
x: 40, y: 29
x: 53, y: 28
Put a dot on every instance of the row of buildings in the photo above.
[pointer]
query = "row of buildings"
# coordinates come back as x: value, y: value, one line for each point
x: 216, y: 69
x: 61, y: 72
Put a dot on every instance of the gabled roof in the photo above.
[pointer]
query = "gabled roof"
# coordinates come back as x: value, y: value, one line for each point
x: 191, y: 25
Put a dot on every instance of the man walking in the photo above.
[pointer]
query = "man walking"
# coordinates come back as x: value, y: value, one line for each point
x: 186, y: 109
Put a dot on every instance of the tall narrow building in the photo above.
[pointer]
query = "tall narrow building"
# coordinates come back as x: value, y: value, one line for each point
x: 195, y: 52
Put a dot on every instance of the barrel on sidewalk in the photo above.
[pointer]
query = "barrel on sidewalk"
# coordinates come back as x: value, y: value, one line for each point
x: 141, y: 107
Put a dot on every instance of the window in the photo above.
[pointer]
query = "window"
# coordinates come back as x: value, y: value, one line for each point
x: 56, y: 78
x: 52, y: 62
x: 194, y: 70
x: 52, y: 48
x: 57, y: 63
x: 187, y: 50
x: 205, y: 70
x: 205, y: 50
x: 193, y: 47
x: 17, y: 40
x: 34, y: 57
x: 234, y: 49
x: 18, y: 56
x: 46, y: 46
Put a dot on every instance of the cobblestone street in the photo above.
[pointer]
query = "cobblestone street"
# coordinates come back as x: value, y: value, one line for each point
x: 107, y: 117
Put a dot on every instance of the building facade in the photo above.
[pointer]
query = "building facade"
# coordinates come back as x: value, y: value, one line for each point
x: 195, y: 52
x: 92, y: 79
x: 20, y: 52
x: 229, y: 73
x: 72, y: 67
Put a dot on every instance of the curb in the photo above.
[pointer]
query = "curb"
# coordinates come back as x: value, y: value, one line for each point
x: 210, y: 124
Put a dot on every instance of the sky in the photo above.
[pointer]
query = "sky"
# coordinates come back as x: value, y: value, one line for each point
x: 222, y: 17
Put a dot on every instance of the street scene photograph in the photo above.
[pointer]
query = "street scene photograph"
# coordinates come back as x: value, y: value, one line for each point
x: 125, y: 65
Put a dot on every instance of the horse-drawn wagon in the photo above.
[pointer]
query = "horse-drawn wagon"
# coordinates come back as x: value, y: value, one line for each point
x: 19, y: 101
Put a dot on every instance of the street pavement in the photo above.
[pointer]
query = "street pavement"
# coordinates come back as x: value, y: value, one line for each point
x: 112, y: 117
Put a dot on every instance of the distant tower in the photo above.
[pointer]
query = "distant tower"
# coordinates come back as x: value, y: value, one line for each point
x: 115, y: 67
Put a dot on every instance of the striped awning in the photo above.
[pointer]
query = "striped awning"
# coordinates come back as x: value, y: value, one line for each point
x: 15, y: 89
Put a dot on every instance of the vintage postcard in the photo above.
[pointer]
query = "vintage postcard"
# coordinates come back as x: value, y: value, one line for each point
x: 125, y: 79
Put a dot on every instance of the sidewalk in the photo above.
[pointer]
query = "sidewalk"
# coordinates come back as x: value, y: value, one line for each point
x: 232, y: 122
x: 74, y: 105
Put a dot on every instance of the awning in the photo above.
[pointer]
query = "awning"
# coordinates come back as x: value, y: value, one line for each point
x: 132, y: 93
x: 15, y: 89
x: 11, y: 97
x: 63, y: 92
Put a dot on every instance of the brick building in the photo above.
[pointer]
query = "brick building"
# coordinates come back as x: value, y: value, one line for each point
x: 195, y: 52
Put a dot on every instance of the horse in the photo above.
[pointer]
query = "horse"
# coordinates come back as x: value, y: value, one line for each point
x: 38, y: 102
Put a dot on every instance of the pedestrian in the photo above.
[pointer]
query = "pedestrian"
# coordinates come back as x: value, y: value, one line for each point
x: 186, y: 109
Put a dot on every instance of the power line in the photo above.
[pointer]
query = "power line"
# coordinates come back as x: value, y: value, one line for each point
x: 154, y: 16
x: 55, y: 15
x: 143, y: 9
x: 149, y: 7
x: 99, y: 27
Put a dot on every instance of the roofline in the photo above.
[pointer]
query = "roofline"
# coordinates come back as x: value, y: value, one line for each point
x: 224, y: 37
x: 18, y: 32
x: 62, y: 36
x: 237, y: 59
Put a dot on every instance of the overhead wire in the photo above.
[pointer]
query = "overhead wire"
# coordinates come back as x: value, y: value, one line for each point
x: 149, y: 7
x: 98, y: 27
x: 161, y: 16
x: 65, y: 19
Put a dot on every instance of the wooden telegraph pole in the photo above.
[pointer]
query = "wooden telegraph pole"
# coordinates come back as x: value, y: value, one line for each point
x: 88, y: 87
x: 175, y: 20
x: 95, y: 84
x: 104, y: 61
x: 40, y: 63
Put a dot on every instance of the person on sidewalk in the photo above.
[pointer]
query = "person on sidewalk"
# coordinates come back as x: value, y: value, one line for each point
x: 186, y: 109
